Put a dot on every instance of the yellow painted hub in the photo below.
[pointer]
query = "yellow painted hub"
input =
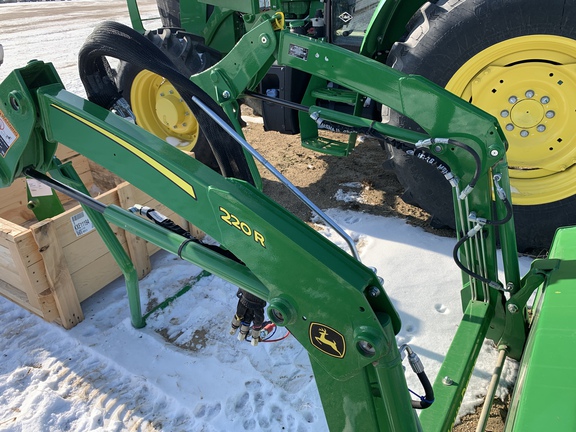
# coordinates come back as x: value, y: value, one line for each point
x: 159, y: 109
x: 528, y: 83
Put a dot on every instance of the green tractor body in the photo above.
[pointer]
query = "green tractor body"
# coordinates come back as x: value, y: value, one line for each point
x: 522, y: 76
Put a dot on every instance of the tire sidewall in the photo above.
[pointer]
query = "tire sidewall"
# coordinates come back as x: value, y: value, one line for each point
x: 443, y: 37
x: 169, y: 41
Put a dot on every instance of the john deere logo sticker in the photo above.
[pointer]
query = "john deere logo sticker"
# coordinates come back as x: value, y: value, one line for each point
x: 327, y: 340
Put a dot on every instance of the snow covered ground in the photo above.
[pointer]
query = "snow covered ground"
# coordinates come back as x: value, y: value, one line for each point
x: 184, y: 372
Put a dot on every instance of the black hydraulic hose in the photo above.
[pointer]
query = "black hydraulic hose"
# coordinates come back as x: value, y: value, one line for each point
x: 168, y: 224
x: 506, y: 218
x: 418, y: 369
x: 473, y: 153
x: 491, y: 283
x: 428, y: 398
x: 408, y: 148
x: 277, y: 101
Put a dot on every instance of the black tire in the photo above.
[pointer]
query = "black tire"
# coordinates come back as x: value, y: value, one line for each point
x: 169, y: 13
x: 440, y: 38
x: 190, y: 57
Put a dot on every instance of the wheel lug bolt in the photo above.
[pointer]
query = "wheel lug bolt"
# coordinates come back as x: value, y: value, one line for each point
x: 184, y: 125
x: 544, y: 99
x: 529, y: 94
x: 512, y: 99
x: 504, y: 113
x: 524, y: 133
x: 541, y: 128
x: 509, y: 127
x: 550, y: 114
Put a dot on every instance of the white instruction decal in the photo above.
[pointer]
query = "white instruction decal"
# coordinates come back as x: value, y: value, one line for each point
x: 8, y: 135
x: 38, y: 189
x: 81, y: 224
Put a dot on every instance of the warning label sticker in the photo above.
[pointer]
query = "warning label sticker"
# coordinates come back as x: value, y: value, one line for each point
x: 38, y: 189
x: 8, y: 135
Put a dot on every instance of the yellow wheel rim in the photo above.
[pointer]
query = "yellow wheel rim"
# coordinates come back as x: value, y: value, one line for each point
x: 528, y: 83
x: 159, y: 109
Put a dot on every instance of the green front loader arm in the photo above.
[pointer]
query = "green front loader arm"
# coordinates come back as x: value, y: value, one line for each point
x: 334, y: 306
x: 309, y: 283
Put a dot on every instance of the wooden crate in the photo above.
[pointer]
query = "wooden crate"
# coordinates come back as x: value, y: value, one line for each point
x: 48, y: 269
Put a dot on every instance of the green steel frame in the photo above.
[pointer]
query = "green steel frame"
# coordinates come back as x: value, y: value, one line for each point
x: 362, y: 383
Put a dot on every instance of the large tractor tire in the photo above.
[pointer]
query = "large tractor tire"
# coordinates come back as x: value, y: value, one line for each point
x: 515, y: 59
x: 169, y: 13
x: 155, y: 102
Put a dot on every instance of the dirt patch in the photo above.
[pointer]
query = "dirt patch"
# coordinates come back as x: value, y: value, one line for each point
x: 195, y: 343
x: 324, y: 177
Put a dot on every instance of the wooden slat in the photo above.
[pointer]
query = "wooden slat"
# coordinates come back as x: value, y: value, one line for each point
x: 13, y: 202
x: 57, y: 273
x: 9, y: 230
x: 136, y: 246
x: 63, y: 223
x: 48, y: 306
x: 6, y: 260
x: 28, y: 248
x: 22, y: 282
x: 86, y: 249
x: 64, y: 153
x: 95, y: 276
x: 17, y: 296
x: 11, y: 276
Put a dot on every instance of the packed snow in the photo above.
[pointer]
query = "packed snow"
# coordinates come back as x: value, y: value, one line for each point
x: 183, y: 371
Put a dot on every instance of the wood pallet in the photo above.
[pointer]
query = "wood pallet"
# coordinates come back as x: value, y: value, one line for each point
x: 45, y: 266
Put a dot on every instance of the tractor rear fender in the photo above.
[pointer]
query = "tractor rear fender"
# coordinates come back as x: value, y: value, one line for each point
x: 387, y: 25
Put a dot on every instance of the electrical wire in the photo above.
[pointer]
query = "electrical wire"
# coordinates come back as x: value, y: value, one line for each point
x: 278, y: 339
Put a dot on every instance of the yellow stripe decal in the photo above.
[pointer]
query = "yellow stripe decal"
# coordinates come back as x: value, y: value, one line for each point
x: 186, y: 187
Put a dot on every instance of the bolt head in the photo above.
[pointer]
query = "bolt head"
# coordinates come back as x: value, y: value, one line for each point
x: 512, y: 99
x: 550, y: 114
x: 226, y: 94
x: 447, y: 381
x: 373, y: 292
x: 504, y: 113
x: 512, y: 308
x: 509, y: 127
x: 529, y: 94
x: 544, y: 99
x: 524, y: 133
x: 438, y: 149
x: 494, y: 153
x: 541, y: 128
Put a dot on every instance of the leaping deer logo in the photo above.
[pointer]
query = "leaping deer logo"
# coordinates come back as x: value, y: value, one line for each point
x: 323, y: 340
